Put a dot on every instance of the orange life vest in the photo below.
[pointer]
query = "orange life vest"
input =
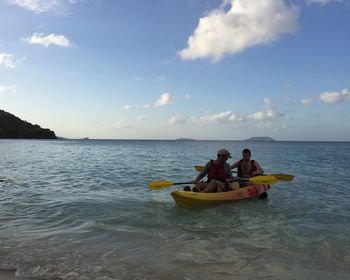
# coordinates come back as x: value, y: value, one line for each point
x: 217, y: 172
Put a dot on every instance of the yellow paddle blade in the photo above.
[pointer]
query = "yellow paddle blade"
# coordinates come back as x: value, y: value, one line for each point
x: 263, y: 180
x: 158, y: 185
x: 283, y: 177
x: 199, y: 168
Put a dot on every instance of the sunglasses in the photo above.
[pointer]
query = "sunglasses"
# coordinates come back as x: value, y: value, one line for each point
x: 222, y: 155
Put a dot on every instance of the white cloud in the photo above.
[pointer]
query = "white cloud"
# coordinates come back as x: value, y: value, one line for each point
x: 122, y: 123
x: 264, y: 125
x: 9, y: 61
x: 303, y: 102
x: 187, y: 96
x: 245, y: 24
x: 322, y: 2
x: 289, y: 100
x: 224, y: 117
x: 165, y: 99
x: 269, y: 103
x: 142, y: 118
x: 335, y: 97
x: 44, y: 6
x: 306, y: 101
x: 138, y: 79
x: 229, y: 117
x: 51, y: 39
x: 161, y: 77
x: 268, y: 114
x: 7, y: 89
x: 178, y: 120
x: 136, y: 107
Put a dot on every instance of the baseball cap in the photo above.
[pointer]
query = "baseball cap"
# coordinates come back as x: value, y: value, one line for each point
x: 224, y: 152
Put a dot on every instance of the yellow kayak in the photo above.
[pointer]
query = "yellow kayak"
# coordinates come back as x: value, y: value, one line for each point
x: 194, y: 199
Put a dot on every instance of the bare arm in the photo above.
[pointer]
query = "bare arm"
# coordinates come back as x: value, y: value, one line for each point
x: 228, y: 171
x: 259, y: 169
x: 235, y: 165
x: 202, y: 174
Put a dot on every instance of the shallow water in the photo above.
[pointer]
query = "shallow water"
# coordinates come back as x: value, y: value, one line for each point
x: 82, y: 210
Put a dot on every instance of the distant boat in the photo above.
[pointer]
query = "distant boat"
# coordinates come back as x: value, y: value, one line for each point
x: 86, y: 138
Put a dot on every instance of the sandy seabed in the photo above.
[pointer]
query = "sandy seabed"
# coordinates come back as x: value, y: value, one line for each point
x: 9, y: 275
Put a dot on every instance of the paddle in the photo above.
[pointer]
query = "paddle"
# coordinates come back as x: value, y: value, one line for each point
x: 280, y: 177
x: 268, y: 179
x: 283, y: 177
x: 162, y: 184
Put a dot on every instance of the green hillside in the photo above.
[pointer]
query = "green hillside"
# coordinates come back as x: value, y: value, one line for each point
x: 12, y: 127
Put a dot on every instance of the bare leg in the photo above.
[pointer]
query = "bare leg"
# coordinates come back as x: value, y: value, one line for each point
x: 212, y: 187
x: 200, y: 186
x: 233, y: 186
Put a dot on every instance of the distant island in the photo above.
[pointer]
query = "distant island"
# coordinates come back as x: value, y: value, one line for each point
x: 12, y: 127
x: 185, y: 139
x: 260, y: 139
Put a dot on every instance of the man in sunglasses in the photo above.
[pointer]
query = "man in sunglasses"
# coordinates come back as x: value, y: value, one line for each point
x: 218, y: 172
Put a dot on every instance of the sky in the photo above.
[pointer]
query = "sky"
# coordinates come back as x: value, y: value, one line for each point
x: 168, y: 69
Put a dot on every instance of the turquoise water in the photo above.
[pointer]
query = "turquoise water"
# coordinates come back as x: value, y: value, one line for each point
x: 82, y: 210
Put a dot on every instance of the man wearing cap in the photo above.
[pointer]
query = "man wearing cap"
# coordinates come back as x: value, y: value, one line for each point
x: 218, y: 172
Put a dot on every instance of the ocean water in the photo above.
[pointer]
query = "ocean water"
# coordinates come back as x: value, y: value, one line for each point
x: 76, y: 209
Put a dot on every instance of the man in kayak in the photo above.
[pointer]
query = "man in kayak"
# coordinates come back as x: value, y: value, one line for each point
x: 218, y: 172
x: 247, y: 168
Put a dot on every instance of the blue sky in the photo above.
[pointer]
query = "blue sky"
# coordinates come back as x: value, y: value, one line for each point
x: 166, y: 69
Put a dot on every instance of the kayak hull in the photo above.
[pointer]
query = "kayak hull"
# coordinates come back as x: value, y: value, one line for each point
x: 188, y: 199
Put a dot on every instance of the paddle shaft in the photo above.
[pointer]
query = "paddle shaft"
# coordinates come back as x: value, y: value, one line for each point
x: 183, y: 183
x: 157, y: 185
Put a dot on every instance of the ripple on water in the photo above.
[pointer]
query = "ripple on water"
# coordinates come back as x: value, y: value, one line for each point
x: 82, y: 210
